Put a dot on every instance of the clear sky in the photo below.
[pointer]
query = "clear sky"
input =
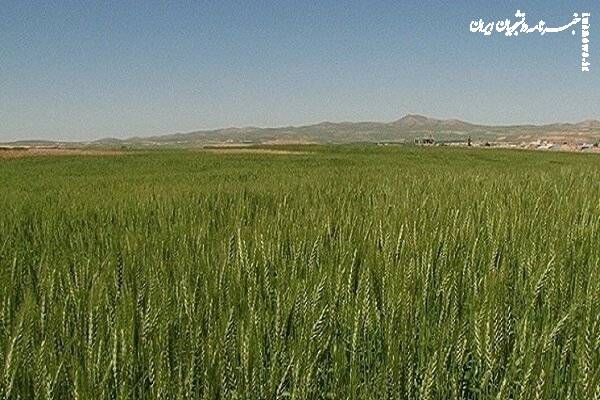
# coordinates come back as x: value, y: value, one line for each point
x: 75, y: 70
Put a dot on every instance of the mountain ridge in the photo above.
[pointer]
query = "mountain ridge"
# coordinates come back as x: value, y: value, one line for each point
x: 407, y: 129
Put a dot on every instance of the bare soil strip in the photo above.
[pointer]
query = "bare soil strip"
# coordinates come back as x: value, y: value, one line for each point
x: 33, y: 152
x: 253, y: 151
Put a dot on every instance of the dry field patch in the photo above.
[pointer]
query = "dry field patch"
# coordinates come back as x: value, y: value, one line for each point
x: 9, y: 153
x: 253, y: 151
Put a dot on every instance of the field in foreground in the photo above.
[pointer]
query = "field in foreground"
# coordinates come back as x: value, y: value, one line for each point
x: 331, y: 272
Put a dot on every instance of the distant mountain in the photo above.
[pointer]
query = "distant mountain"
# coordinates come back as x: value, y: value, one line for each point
x: 590, y: 124
x: 412, y: 121
x: 405, y: 130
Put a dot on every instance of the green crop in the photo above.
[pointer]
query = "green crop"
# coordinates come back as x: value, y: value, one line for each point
x: 354, y: 272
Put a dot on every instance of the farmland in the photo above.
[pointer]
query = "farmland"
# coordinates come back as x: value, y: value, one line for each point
x: 341, y: 272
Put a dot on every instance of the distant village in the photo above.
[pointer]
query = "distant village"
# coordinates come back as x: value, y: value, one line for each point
x: 540, y: 144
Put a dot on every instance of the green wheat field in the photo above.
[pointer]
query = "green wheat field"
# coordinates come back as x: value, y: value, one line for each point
x: 337, y: 272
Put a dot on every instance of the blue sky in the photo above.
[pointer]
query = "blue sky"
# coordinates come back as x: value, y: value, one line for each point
x: 77, y: 70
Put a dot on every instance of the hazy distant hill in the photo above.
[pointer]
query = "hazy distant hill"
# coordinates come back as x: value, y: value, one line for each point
x: 404, y: 130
